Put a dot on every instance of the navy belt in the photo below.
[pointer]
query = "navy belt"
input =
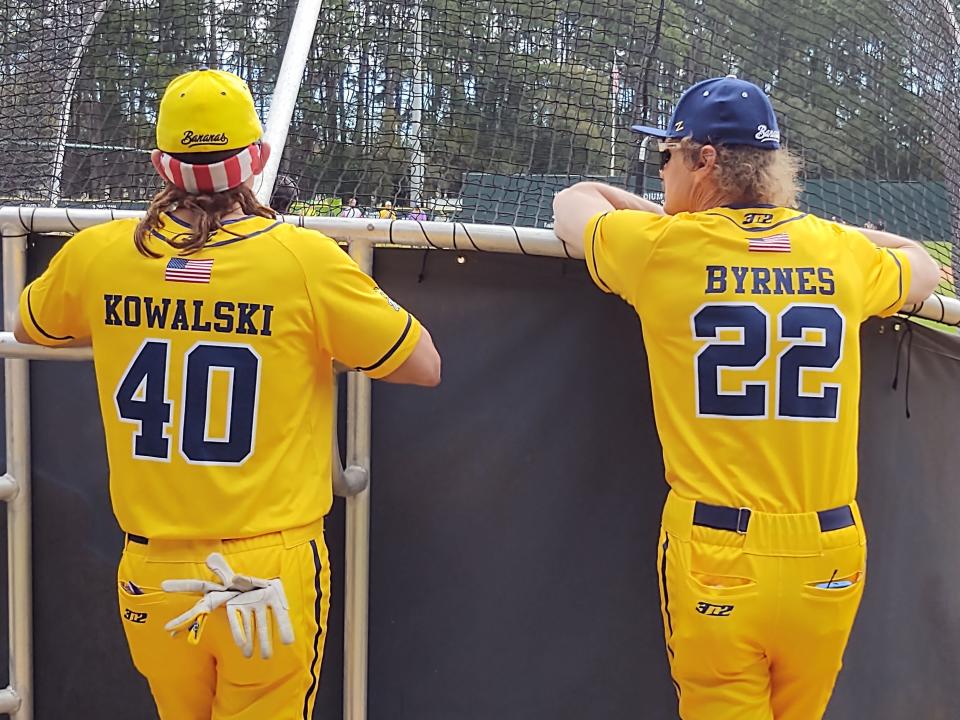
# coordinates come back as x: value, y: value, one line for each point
x: 738, y: 519
x: 138, y: 539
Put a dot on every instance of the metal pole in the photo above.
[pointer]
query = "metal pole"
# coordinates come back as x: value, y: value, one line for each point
x: 417, y: 161
x: 643, y: 166
x: 450, y: 235
x: 66, y: 102
x: 286, y: 90
x: 357, y: 573
x: 18, y: 699
x: 614, y: 86
x: 10, y: 348
x: 213, y: 53
x: 404, y: 233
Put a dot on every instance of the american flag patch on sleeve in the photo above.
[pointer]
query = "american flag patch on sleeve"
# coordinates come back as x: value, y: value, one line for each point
x: 191, y: 271
x: 770, y: 243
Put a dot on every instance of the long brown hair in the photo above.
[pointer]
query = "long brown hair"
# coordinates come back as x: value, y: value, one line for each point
x: 209, y: 210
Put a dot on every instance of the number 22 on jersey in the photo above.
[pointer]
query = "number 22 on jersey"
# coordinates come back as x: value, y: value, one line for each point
x: 143, y: 398
x: 814, y: 335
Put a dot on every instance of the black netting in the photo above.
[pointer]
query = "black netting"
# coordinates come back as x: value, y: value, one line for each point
x: 517, y: 98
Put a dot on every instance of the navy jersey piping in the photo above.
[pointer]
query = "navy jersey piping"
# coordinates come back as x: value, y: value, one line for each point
x: 899, y: 281
x: 33, y: 319
x: 267, y: 229
x: 666, y: 596
x: 392, y: 350
x: 317, y: 611
x: 184, y: 223
x: 764, y: 206
x: 593, y: 254
x: 666, y: 609
x: 758, y: 230
x: 221, y: 243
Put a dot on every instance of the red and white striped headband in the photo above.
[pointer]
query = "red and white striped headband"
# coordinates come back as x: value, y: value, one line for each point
x: 202, y: 179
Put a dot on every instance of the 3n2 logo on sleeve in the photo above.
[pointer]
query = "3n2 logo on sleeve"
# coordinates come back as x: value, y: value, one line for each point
x: 814, y: 334
x: 142, y: 399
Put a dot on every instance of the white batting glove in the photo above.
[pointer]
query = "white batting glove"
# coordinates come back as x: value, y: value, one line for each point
x: 193, y: 619
x: 254, y: 608
x: 233, y: 581
x: 215, y: 595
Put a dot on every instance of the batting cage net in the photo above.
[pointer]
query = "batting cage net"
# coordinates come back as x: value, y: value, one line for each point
x: 480, y: 111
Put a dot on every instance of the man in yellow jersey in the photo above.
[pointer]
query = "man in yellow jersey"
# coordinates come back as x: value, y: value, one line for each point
x: 751, y: 312
x: 214, y: 327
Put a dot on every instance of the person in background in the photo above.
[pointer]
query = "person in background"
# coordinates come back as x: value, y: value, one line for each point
x: 351, y: 210
x: 284, y: 194
x: 387, y: 212
x: 417, y: 214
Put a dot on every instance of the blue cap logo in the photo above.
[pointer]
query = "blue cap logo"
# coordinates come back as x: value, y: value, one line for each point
x: 722, y: 111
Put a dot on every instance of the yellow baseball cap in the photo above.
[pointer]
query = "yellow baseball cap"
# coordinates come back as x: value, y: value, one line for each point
x: 207, y: 111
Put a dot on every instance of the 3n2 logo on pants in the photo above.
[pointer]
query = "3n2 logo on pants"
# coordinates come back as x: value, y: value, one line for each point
x: 705, y: 608
x: 135, y: 617
x: 142, y: 398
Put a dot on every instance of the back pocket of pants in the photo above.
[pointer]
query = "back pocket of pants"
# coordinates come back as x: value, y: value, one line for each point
x: 835, y: 586
x: 840, y: 573
x: 721, y: 571
x: 713, y: 585
x: 137, y: 605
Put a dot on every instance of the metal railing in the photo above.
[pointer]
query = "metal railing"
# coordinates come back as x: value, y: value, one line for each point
x: 362, y: 235
x: 286, y: 89
x: 17, y: 699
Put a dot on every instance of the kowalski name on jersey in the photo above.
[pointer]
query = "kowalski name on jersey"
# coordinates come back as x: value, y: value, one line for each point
x: 223, y: 316
x: 743, y: 280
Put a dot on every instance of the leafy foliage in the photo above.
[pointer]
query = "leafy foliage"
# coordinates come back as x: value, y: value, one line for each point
x: 865, y: 88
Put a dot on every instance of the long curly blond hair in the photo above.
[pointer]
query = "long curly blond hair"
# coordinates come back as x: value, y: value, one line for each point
x: 749, y: 175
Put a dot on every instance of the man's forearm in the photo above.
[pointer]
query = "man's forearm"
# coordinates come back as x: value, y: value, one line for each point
x: 623, y: 200
x: 574, y: 206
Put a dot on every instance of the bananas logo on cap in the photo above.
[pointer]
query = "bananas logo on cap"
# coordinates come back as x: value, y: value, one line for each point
x: 191, y: 138
x: 207, y: 111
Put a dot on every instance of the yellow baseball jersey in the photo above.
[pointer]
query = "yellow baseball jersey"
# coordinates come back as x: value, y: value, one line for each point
x: 214, y: 369
x: 750, y: 320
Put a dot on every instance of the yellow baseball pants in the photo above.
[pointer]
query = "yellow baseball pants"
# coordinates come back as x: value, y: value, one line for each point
x: 756, y: 622
x: 213, y: 680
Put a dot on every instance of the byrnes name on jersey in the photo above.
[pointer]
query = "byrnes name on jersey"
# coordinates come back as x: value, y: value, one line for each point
x: 222, y: 316
x: 742, y: 279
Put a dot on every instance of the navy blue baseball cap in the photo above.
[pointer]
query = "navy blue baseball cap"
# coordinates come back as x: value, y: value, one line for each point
x: 722, y: 111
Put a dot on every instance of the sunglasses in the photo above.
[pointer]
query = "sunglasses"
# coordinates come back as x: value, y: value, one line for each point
x: 665, y: 149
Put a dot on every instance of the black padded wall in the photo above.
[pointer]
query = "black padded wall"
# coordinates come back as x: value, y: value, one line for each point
x: 514, y: 518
